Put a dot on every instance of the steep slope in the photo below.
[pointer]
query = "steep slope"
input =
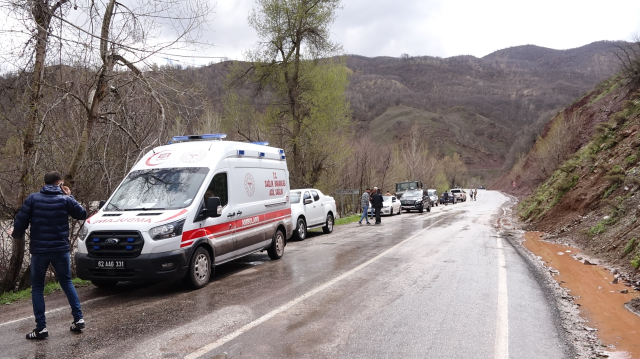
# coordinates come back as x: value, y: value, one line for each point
x: 480, y: 141
x: 592, y: 195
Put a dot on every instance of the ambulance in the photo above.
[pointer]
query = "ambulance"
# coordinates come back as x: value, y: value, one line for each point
x: 187, y: 207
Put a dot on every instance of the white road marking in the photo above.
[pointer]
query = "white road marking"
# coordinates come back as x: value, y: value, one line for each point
x: 55, y: 310
x: 211, y: 346
x: 502, y: 325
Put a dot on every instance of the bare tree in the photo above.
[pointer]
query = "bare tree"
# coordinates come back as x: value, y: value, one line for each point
x: 628, y: 55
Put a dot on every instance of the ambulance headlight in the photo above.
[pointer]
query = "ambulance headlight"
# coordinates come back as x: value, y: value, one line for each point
x: 84, y: 231
x: 167, y: 230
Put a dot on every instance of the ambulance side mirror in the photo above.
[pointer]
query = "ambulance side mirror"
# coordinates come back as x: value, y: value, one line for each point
x: 214, y: 207
x: 101, y: 204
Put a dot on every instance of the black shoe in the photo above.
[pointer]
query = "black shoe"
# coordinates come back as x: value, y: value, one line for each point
x: 38, y: 334
x: 77, y: 326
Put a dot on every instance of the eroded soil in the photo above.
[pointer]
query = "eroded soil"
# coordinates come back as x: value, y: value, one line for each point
x: 600, y: 300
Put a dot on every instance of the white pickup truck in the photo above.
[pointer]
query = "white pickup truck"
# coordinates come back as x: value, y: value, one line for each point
x: 311, y: 209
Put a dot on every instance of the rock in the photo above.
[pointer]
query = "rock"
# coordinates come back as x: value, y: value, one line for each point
x: 586, y: 262
x: 606, y: 217
x: 615, y: 280
x: 624, y: 291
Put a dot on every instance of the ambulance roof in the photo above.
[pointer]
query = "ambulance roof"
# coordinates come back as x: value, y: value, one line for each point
x: 203, y: 153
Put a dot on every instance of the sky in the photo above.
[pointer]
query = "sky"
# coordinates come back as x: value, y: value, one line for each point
x: 446, y: 28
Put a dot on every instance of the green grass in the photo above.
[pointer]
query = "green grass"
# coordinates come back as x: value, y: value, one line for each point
x: 597, y: 229
x: 630, y: 246
x: 10, y: 297
x: 348, y: 219
x: 636, y: 261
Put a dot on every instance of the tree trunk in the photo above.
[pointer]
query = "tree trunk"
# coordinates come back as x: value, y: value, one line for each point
x: 42, y: 14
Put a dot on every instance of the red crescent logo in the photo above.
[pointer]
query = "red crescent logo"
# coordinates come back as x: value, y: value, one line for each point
x: 159, y: 158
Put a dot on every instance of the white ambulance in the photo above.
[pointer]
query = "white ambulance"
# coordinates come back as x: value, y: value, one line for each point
x: 185, y: 208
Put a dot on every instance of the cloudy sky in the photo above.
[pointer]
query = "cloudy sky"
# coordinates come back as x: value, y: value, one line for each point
x: 448, y: 28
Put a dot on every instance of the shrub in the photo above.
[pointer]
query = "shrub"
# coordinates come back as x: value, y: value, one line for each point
x: 630, y: 246
x: 636, y: 261
x: 597, y: 229
x: 631, y: 159
x: 610, y: 190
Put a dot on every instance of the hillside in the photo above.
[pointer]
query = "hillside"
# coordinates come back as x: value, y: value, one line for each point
x: 581, y: 180
x: 514, y: 88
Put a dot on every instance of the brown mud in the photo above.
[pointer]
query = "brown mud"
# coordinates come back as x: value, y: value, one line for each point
x: 600, y: 301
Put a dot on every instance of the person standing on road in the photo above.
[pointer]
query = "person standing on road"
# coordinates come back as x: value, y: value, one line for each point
x: 48, y: 214
x: 376, y: 202
x: 364, y: 202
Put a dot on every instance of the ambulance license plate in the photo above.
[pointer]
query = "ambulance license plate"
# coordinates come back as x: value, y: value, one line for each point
x: 110, y: 264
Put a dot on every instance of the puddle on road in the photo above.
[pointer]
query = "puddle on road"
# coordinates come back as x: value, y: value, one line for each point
x: 600, y: 300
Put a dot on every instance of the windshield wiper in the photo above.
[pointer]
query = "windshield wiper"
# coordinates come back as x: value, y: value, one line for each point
x: 144, y: 209
x: 114, y: 207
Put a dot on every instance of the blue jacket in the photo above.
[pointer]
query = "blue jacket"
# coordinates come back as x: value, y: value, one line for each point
x: 48, y: 213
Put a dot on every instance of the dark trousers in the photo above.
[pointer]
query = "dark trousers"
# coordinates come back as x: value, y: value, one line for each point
x: 378, y: 210
x: 61, y: 263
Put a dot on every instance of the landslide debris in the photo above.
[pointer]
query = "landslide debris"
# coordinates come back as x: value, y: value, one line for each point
x: 581, y: 180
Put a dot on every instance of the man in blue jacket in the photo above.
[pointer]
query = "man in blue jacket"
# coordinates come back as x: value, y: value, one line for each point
x: 48, y: 214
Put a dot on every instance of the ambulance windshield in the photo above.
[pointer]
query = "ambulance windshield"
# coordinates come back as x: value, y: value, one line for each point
x: 154, y: 189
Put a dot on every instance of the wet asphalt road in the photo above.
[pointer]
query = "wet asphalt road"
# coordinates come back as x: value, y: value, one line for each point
x: 435, y: 285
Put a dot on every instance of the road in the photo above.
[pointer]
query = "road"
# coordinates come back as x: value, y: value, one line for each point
x: 443, y: 284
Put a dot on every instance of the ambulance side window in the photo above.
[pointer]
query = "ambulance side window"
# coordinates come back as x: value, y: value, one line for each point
x: 218, y: 188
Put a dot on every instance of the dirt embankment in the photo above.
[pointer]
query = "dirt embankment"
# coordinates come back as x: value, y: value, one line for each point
x: 590, y: 197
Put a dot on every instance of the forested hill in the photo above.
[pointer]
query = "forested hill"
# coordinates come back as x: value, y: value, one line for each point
x: 513, y: 91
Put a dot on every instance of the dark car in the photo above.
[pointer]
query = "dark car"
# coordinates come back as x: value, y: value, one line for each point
x: 415, y: 200
x: 451, y: 198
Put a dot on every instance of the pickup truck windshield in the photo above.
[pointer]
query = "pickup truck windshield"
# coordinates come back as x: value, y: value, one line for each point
x: 158, y: 188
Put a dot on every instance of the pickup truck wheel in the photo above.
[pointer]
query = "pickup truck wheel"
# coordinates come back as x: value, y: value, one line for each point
x: 276, y: 251
x: 105, y: 284
x: 199, y: 269
x: 328, y: 228
x: 301, y: 229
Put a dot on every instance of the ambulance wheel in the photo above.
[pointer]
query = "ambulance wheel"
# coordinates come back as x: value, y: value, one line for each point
x: 276, y: 251
x: 328, y: 228
x: 104, y: 284
x: 301, y: 229
x: 199, y: 269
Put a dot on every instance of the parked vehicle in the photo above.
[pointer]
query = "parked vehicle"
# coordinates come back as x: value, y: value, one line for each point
x: 481, y: 187
x: 433, y: 196
x: 310, y: 209
x: 390, y: 206
x: 416, y: 200
x: 402, y: 187
x: 450, y: 198
x: 461, y: 195
x: 186, y: 207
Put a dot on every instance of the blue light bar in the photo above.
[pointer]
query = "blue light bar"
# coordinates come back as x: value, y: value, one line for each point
x: 240, y: 152
x: 96, y: 247
x: 282, y: 157
x: 131, y: 240
x: 209, y: 136
x: 129, y: 248
x: 214, y: 135
x: 179, y: 138
x: 281, y: 151
x: 261, y: 143
x: 96, y: 239
x: 261, y: 154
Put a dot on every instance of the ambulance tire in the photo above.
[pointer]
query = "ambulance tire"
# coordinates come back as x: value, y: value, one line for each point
x: 328, y: 228
x: 104, y: 284
x: 276, y: 251
x: 200, y: 269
